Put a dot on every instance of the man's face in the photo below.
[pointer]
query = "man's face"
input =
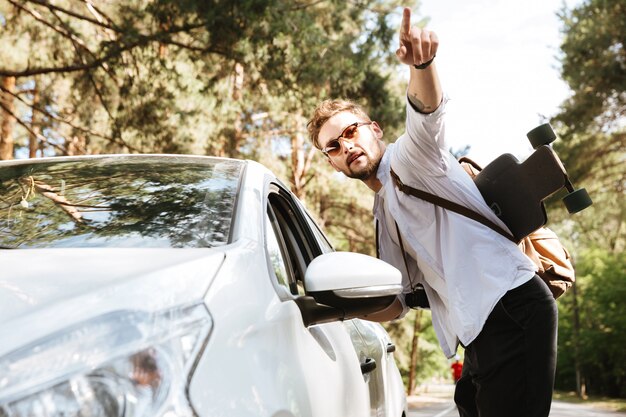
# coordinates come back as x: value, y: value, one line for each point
x: 358, y: 157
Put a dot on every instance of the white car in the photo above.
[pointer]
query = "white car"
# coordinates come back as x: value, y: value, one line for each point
x: 155, y: 285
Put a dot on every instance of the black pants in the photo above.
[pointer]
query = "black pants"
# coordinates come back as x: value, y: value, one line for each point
x: 508, y: 369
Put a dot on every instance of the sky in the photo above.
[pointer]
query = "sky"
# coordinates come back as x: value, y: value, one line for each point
x: 498, y: 64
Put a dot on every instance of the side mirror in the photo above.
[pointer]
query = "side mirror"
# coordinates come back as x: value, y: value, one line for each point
x: 352, y: 284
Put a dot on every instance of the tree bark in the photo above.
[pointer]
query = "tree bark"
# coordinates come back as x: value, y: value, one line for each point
x: 581, y: 389
x: 417, y: 328
x: 7, y: 121
x: 33, y: 135
x: 236, y: 136
x: 300, y: 160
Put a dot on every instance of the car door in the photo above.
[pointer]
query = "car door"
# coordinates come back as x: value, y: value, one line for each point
x: 371, y: 344
x: 375, y: 350
x: 386, y: 386
x: 300, y: 241
x: 293, y: 241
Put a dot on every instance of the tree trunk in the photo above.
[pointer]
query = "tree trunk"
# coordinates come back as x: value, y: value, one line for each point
x: 236, y: 136
x: 417, y: 328
x: 7, y: 121
x: 300, y: 160
x: 33, y: 140
x: 581, y: 389
x: 297, y: 164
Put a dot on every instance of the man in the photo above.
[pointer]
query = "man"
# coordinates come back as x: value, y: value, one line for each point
x: 483, y: 292
x: 457, y: 369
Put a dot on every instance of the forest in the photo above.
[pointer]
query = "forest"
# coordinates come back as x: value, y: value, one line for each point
x: 240, y: 79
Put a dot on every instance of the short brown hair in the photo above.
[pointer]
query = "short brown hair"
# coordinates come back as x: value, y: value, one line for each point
x: 326, y: 110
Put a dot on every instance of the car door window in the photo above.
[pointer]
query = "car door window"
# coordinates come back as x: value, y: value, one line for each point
x: 295, y: 236
x: 276, y: 251
x: 275, y: 255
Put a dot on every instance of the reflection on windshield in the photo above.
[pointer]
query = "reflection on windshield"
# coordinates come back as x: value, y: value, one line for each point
x: 118, y: 202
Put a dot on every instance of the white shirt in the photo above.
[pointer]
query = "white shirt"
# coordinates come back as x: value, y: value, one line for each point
x: 465, y: 267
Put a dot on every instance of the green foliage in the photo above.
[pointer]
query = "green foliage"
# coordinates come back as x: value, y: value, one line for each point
x: 146, y: 76
x: 344, y: 209
x: 430, y: 361
x: 594, y: 65
x: 591, y: 122
x: 598, y: 343
x: 593, y: 148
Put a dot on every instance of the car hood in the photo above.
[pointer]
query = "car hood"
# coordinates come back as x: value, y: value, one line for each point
x: 43, y: 290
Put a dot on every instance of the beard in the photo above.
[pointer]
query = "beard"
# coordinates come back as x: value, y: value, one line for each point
x: 365, y: 172
x: 370, y: 169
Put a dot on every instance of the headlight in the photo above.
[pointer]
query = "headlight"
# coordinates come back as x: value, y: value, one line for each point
x: 128, y: 363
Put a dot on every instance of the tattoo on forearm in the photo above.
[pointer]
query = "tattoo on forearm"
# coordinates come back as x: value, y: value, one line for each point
x: 421, y: 107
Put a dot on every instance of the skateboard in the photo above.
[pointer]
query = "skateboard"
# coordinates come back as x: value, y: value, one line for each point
x: 515, y: 190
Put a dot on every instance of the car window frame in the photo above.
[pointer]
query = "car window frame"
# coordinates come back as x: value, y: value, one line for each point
x: 289, y: 212
x: 272, y: 222
x: 321, y: 238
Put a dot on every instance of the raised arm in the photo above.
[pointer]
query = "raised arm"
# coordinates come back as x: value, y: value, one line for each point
x: 419, y: 47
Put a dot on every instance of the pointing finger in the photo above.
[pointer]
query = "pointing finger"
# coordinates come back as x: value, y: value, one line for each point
x: 405, y: 27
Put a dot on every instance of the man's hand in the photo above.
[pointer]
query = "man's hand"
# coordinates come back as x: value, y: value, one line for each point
x: 417, y: 46
x: 390, y: 313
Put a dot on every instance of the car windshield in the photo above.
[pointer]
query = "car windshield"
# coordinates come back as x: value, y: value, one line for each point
x: 145, y: 201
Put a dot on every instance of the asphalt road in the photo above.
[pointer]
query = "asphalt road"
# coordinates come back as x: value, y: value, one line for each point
x: 559, y: 409
x: 437, y: 402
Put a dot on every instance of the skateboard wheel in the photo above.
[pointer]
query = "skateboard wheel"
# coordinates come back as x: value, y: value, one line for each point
x: 577, y: 201
x: 541, y: 135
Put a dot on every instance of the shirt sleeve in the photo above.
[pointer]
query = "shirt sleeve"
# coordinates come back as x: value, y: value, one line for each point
x: 423, y: 146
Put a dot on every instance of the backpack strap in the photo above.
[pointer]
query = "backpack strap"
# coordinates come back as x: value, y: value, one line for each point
x: 450, y: 205
x: 471, y: 162
x: 406, y: 264
x: 417, y: 297
x: 377, y: 243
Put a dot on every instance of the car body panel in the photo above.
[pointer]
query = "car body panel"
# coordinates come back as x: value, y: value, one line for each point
x: 45, y: 290
x: 275, y: 364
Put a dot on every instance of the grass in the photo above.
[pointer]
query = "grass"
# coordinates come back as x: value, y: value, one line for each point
x: 611, y: 404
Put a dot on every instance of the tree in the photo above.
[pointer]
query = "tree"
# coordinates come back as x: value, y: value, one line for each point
x: 600, y: 337
x: 593, y: 65
x: 166, y: 76
x: 7, y: 118
x: 593, y: 147
x: 591, y: 122
x: 419, y: 358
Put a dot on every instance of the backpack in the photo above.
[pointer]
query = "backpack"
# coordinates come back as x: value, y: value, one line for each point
x: 543, y: 247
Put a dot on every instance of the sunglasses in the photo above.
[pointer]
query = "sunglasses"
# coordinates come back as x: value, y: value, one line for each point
x: 350, y: 133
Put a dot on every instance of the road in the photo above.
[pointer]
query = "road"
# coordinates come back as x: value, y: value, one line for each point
x: 438, y: 403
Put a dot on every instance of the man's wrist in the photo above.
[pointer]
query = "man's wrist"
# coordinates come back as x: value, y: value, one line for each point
x: 425, y: 64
